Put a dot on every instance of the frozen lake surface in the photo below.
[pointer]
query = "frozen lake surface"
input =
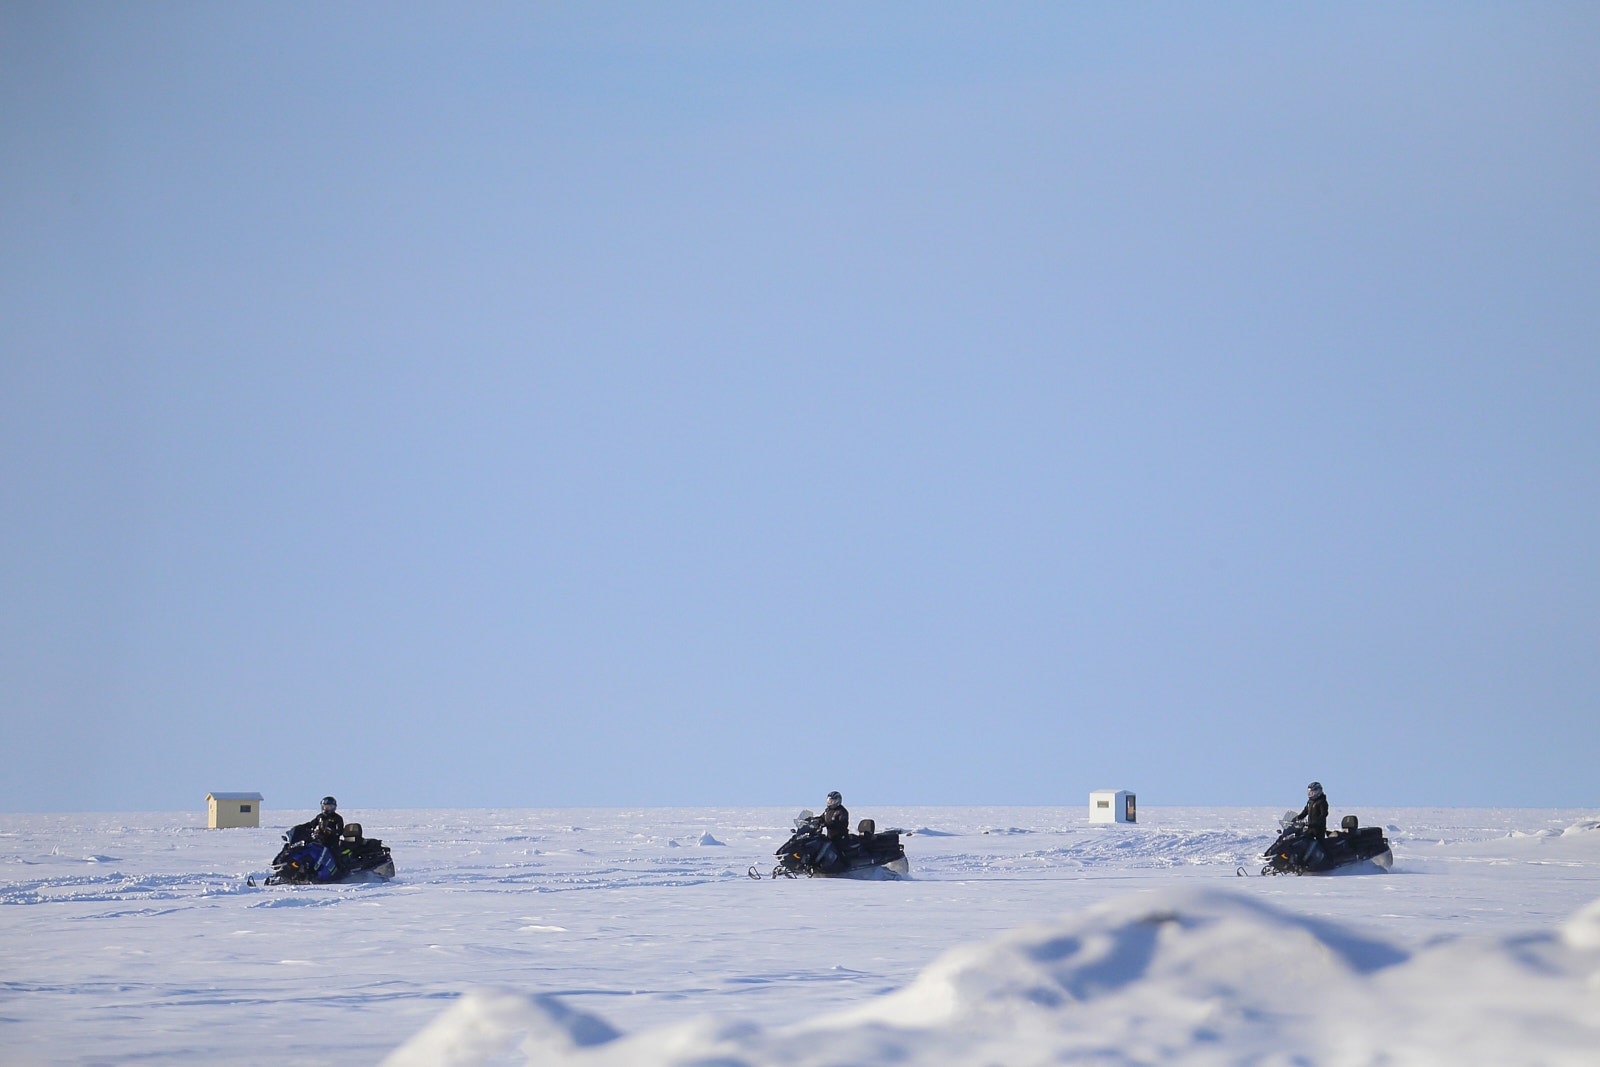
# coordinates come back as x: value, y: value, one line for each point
x: 133, y: 938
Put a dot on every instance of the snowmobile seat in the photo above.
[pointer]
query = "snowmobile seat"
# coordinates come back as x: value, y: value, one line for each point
x: 867, y: 827
x: 352, y: 832
x: 1349, y: 824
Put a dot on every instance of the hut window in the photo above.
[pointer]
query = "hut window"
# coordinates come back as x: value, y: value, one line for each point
x: 1102, y: 803
x: 244, y: 809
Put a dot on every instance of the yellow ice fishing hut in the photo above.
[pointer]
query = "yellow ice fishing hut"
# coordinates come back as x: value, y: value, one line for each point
x: 233, y: 809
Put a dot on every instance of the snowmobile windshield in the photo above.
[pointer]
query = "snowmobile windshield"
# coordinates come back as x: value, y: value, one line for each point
x: 1289, y: 819
x: 804, y: 817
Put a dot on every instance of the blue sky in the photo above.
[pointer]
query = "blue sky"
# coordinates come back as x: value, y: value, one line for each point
x: 697, y: 404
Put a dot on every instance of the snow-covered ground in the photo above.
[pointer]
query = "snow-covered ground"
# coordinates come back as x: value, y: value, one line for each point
x: 635, y: 937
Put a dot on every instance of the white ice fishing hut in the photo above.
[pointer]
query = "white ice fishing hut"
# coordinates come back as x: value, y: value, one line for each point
x: 233, y: 809
x: 1113, y: 805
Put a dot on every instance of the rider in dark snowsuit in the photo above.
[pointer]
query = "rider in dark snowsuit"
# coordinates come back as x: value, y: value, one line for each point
x: 835, y: 818
x: 1315, y: 813
x: 328, y: 826
x: 835, y: 825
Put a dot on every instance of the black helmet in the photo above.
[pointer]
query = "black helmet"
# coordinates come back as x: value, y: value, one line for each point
x: 1315, y: 788
x: 329, y: 804
x: 834, y: 798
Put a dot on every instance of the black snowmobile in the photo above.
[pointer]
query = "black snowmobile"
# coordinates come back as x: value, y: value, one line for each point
x: 305, y: 860
x: 864, y: 854
x: 1352, y: 847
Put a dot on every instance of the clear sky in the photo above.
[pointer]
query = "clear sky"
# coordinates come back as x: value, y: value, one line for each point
x: 694, y: 403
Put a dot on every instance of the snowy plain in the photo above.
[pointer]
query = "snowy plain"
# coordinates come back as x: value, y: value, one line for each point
x: 1025, y: 935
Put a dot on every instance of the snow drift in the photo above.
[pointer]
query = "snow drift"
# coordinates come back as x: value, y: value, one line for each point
x: 1190, y: 977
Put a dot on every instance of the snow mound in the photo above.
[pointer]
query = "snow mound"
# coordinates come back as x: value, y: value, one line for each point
x: 487, y: 1026
x: 1208, y: 977
x: 1582, y: 931
x: 705, y: 840
x: 1148, y: 975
